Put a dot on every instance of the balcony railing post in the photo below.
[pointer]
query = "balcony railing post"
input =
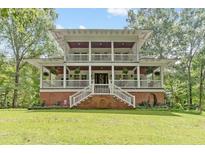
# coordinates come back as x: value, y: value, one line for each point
x: 90, y: 75
x: 89, y: 50
x: 93, y: 87
x: 113, y: 74
x: 138, y: 76
x: 137, y: 50
x: 64, y: 76
x: 112, y: 51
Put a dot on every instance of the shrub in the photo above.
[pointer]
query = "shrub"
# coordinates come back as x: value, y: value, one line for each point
x: 178, y: 106
x: 58, y: 103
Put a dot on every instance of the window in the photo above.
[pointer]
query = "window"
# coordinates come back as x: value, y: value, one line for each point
x: 117, y: 76
x: 76, y: 77
x: 125, y: 77
x: 84, y: 77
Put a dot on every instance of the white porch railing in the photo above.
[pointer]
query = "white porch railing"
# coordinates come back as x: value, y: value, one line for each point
x: 78, y: 57
x: 69, y: 83
x: 147, y: 55
x: 77, y: 83
x: 101, y: 57
x: 79, y: 96
x: 125, y: 57
x: 124, y: 95
x: 150, y: 84
x: 134, y: 83
x: 101, y: 88
x: 52, y: 83
x: 126, y: 83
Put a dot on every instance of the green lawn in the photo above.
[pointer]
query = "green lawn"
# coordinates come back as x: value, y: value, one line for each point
x: 100, y: 127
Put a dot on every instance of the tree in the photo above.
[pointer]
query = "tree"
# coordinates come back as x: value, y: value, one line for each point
x: 199, y: 75
x: 192, y: 33
x: 163, y: 24
x: 179, y: 33
x: 6, y: 73
x: 25, y: 34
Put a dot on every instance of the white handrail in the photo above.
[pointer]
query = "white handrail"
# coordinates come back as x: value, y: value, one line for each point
x: 134, y: 83
x: 101, y: 57
x: 52, y: 83
x: 77, y: 57
x: 77, y: 83
x: 79, y: 96
x: 125, y: 57
x: 101, y: 89
x: 126, y: 83
x: 124, y: 95
x: 150, y: 84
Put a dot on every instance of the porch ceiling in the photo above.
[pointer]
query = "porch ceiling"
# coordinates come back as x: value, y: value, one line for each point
x: 63, y: 36
x: 100, y: 44
x: 60, y: 68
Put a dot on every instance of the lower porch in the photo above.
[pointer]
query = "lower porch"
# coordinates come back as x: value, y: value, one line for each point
x: 78, y: 77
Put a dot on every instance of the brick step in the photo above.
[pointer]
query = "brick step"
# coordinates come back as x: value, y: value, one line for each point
x: 103, y: 102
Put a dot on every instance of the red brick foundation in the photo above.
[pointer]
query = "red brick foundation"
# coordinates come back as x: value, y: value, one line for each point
x: 51, y: 98
x: 141, y: 97
x: 101, y: 101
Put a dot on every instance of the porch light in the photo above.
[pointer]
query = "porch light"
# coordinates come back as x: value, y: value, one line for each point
x: 45, y: 73
x: 157, y: 73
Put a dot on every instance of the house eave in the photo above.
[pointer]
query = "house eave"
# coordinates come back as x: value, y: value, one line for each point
x: 38, y: 62
x: 63, y: 36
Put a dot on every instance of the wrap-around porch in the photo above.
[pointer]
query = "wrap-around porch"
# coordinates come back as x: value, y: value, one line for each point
x: 78, y: 77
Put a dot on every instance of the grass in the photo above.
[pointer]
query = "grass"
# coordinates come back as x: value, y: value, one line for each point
x: 65, y: 126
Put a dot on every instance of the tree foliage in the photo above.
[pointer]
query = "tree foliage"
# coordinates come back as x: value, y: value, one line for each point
x: 162, y: 23
x: 177, y: 33
x: 24, y: 33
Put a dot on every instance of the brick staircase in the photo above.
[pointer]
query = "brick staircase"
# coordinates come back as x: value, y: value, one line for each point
x: 105, y: 96
x: 103, y: 102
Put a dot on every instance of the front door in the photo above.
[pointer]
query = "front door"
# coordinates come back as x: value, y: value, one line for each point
x: 101, y: 78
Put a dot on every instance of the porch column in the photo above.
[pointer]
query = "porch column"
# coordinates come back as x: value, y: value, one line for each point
x: 89, y: 54
x: 162, y: 76
x: 90, y: 75
x: 113, y: 75
x: 137, y: 49
x: 138, y: 76
x: 41, y: 77
x: 64, y: 76
x: 112, y: 51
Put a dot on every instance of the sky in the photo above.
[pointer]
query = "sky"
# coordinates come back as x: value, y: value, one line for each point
x: 91, y: 18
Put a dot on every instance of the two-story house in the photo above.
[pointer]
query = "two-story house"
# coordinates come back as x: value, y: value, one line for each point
x: 101, y: 69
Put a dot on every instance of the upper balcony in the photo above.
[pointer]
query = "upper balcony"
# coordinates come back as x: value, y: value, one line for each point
x: 102, y: 58
x: 102, y: 52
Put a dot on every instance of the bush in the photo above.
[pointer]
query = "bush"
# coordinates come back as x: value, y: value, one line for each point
x: 178, y: 106
x: 193, y: 107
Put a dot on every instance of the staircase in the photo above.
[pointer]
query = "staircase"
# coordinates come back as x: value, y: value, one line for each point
x: 80, y: 96
x: 103, y: 92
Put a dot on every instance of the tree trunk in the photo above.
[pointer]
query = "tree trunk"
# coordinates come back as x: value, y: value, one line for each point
x: 15, y: 94
x: 189, y: 86
x: 201, y: 88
